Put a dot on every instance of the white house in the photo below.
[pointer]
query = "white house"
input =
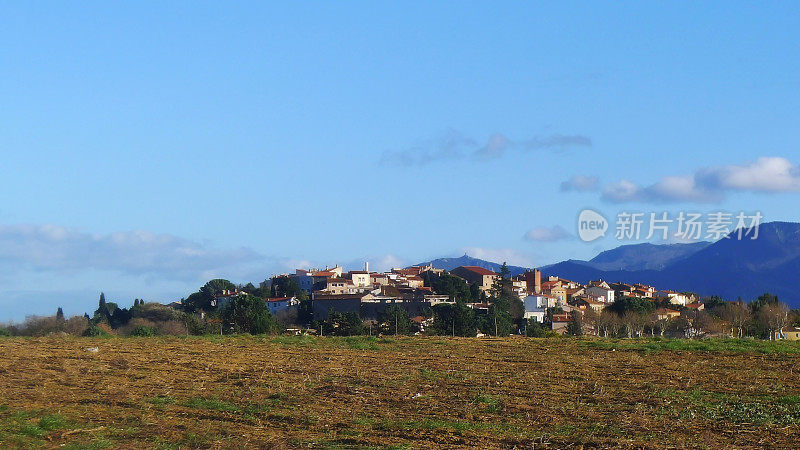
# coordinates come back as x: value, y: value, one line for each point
x: 536, y: 306
x: 676, y: 298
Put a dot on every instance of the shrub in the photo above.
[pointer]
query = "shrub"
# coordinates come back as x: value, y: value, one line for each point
x: 76, y: 326
x: 172, y: 327
x: 143, y: 331
x: 5, y: 332
x: 95, y: 331
x: 41, y: 325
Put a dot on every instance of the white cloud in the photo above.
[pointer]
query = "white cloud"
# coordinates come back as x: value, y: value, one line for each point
x: 61, y: 249
x: 580, y: 183
x: 622, y: 191
x: 545, y: 234
x: 498, y: 255
x: 710, y: 184
x: 454, y: 145
x: 767, y: 174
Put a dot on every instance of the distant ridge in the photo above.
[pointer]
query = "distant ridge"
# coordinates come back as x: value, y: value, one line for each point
x: 452, y: 263
x: 730, y: 268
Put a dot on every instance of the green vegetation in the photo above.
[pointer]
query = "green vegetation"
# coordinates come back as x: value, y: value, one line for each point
x: 724, y: 345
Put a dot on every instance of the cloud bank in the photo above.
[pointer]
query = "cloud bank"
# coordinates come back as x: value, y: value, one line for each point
x: 60, y: 249
x: 580, y: 183
x: 455, y: 146
x: 545, y: 234
x: 711, y: 184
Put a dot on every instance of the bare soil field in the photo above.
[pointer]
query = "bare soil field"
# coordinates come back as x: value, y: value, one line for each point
x: 289, y: 392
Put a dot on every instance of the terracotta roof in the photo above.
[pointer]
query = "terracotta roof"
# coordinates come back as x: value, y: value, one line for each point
x: 278, y: 299
x: 323, y: 273
x: 479, y: 270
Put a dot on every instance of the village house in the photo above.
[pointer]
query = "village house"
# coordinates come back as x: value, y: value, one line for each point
x: 666, y: 314
x: 535, y: 306
x: 790, y: 333
x: 643, y: 291
x: 585, y: 302
x: 560, y: 322
x: 575, y: 292
x: 542, y: 301
x: 278, y: 304
x: 601, y: 289
x: 484, y: 278
x: 676, y: 298
x: 559, y: 292
x: 225, y: 297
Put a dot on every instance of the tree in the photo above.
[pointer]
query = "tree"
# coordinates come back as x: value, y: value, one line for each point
x: 575, y: 325
x: 217, y: 286
x: 455, y: 319
x: 638, y: 305
x: 342, y: 324
x: 445, y: 284
x: 634, y: 323
x: 774, y: 317
x: 592, y: 319
x: 248, y: 314
x: 395, y: 320
x: 693, y: 322
x: 498, y: 322
x: 608, y: 323
x: 735, y: 315
x: 713, y: 301
x: 285, y: 286
x: 535, y: 329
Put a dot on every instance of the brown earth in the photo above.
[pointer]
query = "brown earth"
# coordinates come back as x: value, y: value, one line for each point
x: 398, y: 392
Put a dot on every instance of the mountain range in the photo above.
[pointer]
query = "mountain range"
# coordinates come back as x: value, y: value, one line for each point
x: 451, y: 263
x: 730, y: 268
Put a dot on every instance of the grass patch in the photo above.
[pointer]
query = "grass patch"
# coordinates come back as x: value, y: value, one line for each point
x: 790, y: 400
x: 161, y: 400
x: 441, y: 424
x: 212, y: 404
x: 24, y: 428
x: 295, y: 341
x: 654, y: 345
x: 493, y: 404
x: 350, y: 342
x: 715, y: 406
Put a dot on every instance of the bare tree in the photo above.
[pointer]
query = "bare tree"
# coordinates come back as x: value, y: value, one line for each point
x: 695, y: 322
x: 608, y: 323
x: 774, y: 318
x: 735, y: 315
x: 634, y: 323
x: 592, y: 318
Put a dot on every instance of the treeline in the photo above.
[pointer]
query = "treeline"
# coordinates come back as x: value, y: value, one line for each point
x: 247, y: 312
x: 763, y: 318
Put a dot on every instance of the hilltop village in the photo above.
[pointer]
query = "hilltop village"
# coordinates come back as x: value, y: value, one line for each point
x: 475, y: 301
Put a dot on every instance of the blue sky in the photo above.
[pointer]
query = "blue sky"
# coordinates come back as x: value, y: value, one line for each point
x: 147, y: 147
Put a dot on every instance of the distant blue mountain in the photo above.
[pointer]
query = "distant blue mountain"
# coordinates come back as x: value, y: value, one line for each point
x: 645, y: 256
x: 452, y: 263
x: 730, y: 268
